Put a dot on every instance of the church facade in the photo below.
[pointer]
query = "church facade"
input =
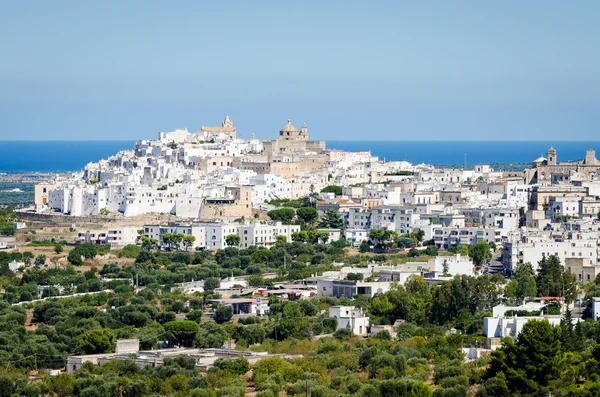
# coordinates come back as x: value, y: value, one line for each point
x: 549, y: 170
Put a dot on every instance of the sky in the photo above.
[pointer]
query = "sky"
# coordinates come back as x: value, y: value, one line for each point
x: 352, y: 70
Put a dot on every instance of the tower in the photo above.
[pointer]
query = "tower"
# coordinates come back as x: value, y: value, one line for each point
x: 590, y: 157
x: 551, y: 156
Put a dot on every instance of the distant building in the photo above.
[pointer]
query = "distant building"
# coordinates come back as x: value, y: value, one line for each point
x: 550, y: 170
x: 350, y: 317
x: 502, y: 327
x: 596, y: 308
x: 226, y: 128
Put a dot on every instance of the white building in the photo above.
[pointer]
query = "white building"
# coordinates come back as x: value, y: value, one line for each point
x: 596, y: 308
x: 517, y: 252
x: 502, y: 327
x: 356, y: 236
x: 122, y: 236
x: 350, y: 317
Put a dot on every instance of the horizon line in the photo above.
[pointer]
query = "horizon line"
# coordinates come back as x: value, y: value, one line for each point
x: 334, y: 140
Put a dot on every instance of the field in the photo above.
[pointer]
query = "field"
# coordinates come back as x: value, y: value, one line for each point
x: 21, y: 198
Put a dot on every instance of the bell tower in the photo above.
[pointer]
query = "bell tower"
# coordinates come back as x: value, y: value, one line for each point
x: 551, y: 156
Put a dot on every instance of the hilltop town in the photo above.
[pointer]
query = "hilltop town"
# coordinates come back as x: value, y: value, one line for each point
x: 205, y: 255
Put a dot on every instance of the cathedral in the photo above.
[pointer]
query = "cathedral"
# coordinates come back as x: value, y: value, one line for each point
x: 548, y: 169
x: 292, y: 140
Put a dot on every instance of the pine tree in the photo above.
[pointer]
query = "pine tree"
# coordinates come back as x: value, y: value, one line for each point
x: 567, y: 337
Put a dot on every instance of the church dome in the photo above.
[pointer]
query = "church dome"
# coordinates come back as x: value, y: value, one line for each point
x: 289, y: 127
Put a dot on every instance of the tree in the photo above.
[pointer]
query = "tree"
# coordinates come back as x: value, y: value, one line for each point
x: 293, y: 323
x: 480, y: 253
x: 316, y: 237
x: 255, y: 280
x: 74, y: 258
x: 40, y: 260
x: 431, y: 250
x: 307, y: 214
x: 533, y: 361
x: 281, y: 238
x: 460, y: 249
x: 223, y: 314
x: 211, y: 335
x: 188, y: 241
x: 211, y: 283
x: 522, y: 285
x: 148, y: 243
x: 97, y: 341
x: 177, y: 239
x: 337, y: 190
x: 405, y: 242
x: 554, y: 280
x: 62, y: 385
x: 232, y: 240
x: 383, y: 238
x: 194, y: 315
x: 445, y: 268
x: 58, y: 248
x: 418, y: 234
x: 167, y: 239
x: 27, y: 257
x: 332, y: 220
x: 284, y: 215
x: 182, y: 332
x: 301, y: 236
x: 355, y: 276
x: 364, y: 247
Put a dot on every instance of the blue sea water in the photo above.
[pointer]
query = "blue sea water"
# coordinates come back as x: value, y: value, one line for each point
x: 50, y: 156
x: 476, y: 152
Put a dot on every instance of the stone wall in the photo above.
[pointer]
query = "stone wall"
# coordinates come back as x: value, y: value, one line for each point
x: 66, y: 219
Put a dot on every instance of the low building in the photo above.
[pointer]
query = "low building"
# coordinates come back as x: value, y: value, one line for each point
x: 122, y: 236
x: 502, y: 327
x: 204, y: 358
x: 347, y: 289
x: 596, y: 308
x: 252, y: 306
x: 15, y: 266
x: 116, y: 236
x: 350, y: 317
x: 583, y: 268
x: 92, y: 236
x: 356, y: 236
x: 334, y: 234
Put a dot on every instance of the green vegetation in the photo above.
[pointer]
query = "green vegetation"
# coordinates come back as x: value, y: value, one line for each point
x: 284, y: 215
x: 336, y: 189
x: 22, y: 198
x: 7, y: 217
x: 422, y: 358
x: 86, y: 251
x: 307, y: 214
x: 296, y: 203
x: 232, y: 240
x: 399, y: 173
x: 332, y: 220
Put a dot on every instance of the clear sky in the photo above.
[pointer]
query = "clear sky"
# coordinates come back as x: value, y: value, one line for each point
x: 359, y: 70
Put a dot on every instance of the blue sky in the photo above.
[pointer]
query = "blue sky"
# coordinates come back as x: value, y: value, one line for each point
x: 452, y: 70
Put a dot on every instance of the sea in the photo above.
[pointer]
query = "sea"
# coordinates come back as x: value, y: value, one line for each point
x: 65, y: 156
